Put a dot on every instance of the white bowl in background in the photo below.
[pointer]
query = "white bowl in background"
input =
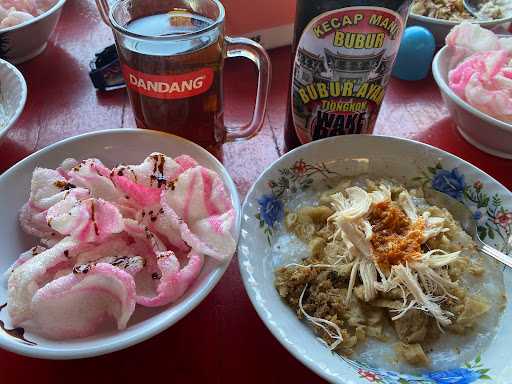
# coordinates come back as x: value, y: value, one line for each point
x: 13, y: 95
x: 401, y: 159
x: 483, y: 131
x: 440, y: 28
x: 130, y: 146
x: 25, y: 41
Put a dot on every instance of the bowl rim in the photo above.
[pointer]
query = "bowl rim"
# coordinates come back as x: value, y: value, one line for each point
x: 57, y: 6
x: 452, y: 23
x: 23, y: 96
x: 260, y: 309
x: 442, y: 84
x: 161, y: 322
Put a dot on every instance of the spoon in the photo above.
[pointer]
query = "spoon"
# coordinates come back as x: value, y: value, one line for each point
x: 464, y: 216
x: 472, y: 6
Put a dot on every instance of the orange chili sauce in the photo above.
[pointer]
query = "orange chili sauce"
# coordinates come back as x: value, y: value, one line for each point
x: 395, y: 239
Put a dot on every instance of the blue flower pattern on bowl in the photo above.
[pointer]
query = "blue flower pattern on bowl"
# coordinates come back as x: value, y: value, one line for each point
x: 449, y: 182
x: 494, y: 221
x: 472, y: 372
x: 296, y: 178
x: 478, y: 215
x: 454, y: 376
x: 271, y: 209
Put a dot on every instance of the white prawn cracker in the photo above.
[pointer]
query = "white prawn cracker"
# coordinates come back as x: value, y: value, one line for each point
x: 115, y: 238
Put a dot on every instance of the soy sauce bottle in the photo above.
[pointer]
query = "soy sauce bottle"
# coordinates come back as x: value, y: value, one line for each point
x: 343, y: 53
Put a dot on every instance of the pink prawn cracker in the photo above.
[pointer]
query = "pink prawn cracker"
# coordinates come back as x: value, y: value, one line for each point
x: 484, y: 77
x: 14, y: 12
x: 114, y: 238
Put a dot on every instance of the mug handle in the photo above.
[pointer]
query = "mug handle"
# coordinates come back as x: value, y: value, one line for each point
x: 104, y: 8
x: 249, y: 49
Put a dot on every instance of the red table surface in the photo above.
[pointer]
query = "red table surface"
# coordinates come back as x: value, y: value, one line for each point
x: 222, y: 340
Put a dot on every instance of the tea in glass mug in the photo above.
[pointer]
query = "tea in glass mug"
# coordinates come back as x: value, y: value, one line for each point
x: 172, y: 57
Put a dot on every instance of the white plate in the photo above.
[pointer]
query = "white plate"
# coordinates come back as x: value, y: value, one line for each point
x: 391, y: 157
x: 130, y: 146
x: 440, y: 28
x: 25, y: 41
x: 13, y: 95
x: 478, y: 128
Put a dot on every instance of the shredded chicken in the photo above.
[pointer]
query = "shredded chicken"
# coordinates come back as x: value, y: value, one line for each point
x: 438, y: 258
x: 387, y: 235
x: 356, y: 233
x: 405, y: 202
x: 433, y: 226
x: 404, y: 277
x: 322, y: 323
x: 380, y: 195
x: 352, y: 207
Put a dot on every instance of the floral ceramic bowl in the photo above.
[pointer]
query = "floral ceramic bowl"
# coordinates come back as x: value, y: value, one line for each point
x: 406, y: 161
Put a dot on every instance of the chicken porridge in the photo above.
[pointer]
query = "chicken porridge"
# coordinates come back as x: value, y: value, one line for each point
x: 382, y: 276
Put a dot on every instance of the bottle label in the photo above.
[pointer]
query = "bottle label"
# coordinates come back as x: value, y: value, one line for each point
x: 342, y: 65
x: 178, y: 86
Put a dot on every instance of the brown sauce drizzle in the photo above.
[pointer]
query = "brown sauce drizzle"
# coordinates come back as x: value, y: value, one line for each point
x: 83, y: 268
x: 96, y: 229
x: 153, y: 216
x: 121, y: 262
x: 133, y: 173
x: 158, y: 165
x: 155, y: 162
x: 149, y: 235
x: 64, y: 185
x: 160, y: 180
x: 17, y: 333
x: 161, y: 164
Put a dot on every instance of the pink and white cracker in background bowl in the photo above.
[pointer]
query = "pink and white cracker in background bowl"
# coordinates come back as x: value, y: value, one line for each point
x: 474, y: 73
x: 81, y: 259
x: 27, y: 27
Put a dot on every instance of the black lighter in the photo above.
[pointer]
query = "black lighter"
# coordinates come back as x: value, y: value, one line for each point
x: 105, y: 70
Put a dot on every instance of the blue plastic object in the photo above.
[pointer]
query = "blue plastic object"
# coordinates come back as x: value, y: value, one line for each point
x: 415, y: 54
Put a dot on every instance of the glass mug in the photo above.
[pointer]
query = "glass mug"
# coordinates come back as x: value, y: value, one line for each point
x: 172, y: 57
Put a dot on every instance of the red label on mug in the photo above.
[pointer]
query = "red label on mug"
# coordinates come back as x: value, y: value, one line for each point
x: 169, y: 86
